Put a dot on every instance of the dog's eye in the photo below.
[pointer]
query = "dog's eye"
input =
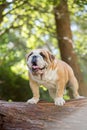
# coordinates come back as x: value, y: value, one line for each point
x: 42, y: 54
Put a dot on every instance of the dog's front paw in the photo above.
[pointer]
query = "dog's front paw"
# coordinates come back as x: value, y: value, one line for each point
x: 59, y: 101
x: 33, y: 100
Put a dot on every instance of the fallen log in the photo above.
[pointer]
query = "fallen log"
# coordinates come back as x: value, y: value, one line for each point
x: 43, y: 116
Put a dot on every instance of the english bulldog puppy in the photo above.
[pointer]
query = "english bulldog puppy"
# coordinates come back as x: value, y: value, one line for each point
x: 45, y: 69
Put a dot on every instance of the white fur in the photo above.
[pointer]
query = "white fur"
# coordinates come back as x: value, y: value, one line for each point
x: 40, y: 61
x: 59, y: 101
x: 79, y: 97
x: 48, y: 78
x: 51, y: 75
x: 33, y: 101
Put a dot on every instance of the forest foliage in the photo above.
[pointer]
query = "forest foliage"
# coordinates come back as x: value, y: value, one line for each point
x: 25, y: 25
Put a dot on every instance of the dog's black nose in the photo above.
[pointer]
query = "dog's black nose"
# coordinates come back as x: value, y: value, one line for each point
x: 34, y: 60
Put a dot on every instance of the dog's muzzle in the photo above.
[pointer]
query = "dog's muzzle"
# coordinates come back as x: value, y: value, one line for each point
x: 35, y: 66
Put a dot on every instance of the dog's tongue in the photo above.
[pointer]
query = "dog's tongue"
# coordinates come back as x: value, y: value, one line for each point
x: 35, y: 67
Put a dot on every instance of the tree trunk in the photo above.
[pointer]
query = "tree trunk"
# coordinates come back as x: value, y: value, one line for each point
x: 43, y: 116
x: 65, y: 42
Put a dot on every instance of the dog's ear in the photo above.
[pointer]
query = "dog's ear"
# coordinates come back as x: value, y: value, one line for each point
x: 51, y: 56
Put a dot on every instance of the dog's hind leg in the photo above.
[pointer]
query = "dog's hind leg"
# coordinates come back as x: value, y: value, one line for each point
x: 74, y: 86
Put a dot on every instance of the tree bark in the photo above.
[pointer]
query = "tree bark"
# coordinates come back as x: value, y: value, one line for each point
x: 43, y: 116
x: 66, y: 44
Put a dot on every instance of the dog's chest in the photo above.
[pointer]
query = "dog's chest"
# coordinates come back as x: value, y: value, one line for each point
x: 48, y: 79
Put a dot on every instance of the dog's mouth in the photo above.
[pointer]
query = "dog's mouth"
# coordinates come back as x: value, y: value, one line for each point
x: 36, y: 68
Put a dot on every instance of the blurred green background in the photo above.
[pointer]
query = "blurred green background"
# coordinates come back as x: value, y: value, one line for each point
x: 30, y: 24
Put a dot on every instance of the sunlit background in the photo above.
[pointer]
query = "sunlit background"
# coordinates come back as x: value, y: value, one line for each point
x: 30, y: 24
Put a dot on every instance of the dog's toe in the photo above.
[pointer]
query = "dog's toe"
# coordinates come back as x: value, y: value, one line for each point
x: 33, y: 100
x: 59, y: 101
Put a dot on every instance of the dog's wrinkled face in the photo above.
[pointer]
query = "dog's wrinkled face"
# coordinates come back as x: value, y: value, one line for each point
x: 38, y: 60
